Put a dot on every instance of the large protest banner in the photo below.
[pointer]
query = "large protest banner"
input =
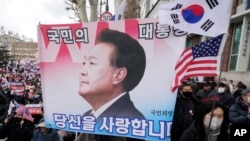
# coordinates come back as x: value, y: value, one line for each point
x: 62, y: 50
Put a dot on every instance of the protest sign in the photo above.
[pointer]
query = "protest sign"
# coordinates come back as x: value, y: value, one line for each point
x: 63, y: 47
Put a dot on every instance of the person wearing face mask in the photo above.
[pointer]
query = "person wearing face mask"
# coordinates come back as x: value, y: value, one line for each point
x: 211, y: 124
x: 222, y: 95
x: 185, y: 111
x: 224, y: 80
x: 239, y: 112
x: 202, y: 94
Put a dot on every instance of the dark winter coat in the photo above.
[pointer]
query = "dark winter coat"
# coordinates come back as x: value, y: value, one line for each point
x: 185, y: 110
x: 224, y: 98
x: 202, y: 94
x: 238, y: 112
x: 237, y: 93
x: 51, y: 135
x: 196, y: 133
x: 3, y: 107
x: 15, y: 132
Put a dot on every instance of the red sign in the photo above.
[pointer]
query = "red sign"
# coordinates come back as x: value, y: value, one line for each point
x: 34, y: 109
x: 106, y: 16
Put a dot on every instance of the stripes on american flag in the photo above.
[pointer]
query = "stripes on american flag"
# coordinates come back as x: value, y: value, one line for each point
x: 199, y: 60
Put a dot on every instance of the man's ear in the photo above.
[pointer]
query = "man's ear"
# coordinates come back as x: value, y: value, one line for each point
x: 119, y: 75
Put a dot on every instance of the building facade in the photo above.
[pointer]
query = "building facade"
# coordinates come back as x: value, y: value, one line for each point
x: 24, y: 50
x: 6, y: 40
x: 236, y: 56
x: 19, y: 49
x: 237, y: 52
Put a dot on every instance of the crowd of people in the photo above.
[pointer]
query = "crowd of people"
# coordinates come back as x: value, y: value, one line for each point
x: 21, y: 105
x: 201, y: 111
x: 206, y: 113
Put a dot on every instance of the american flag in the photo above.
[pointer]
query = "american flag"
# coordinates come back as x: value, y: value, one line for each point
x: 202, y: 59
x: 27, y: 115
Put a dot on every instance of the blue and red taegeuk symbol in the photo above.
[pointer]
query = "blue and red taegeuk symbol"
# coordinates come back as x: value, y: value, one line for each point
x: 193, y: 13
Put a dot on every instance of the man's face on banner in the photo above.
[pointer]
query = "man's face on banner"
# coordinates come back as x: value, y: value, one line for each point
x: 96, y: 75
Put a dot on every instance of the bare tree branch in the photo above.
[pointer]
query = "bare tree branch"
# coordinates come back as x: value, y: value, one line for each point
x: 70, y: 6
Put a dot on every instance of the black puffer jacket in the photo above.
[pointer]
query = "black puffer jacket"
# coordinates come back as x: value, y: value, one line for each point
x: 184, y: 114
x: 196, y: 133
x: 16, y: 132
x: 238, y: 112
x: 3, y: 107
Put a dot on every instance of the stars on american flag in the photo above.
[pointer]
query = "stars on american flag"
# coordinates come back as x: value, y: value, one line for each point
x: 207, y: 49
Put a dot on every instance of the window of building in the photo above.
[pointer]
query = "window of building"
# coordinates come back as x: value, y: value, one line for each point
x: 235, y: 47
x: 189, y: 43
x: 242, y: 1
x: 248, y: 67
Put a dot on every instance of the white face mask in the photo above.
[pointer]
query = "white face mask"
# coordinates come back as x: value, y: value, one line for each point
x: 221, y: 90
x: 248, y: 100
x: 215, y: 123
x: 225, y: 82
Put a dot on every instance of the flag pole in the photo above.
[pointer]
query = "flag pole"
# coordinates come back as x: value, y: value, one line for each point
x: 223, y: 42
x: 75, y: 136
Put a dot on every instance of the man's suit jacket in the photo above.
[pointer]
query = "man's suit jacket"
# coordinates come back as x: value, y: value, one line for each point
x: 123, y: 107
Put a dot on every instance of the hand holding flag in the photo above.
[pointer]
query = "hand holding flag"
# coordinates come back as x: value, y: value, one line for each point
x: 23, y: 111
x: 27, y: 115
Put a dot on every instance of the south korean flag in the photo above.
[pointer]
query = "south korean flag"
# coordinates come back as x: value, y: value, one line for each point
x: 204, y: 17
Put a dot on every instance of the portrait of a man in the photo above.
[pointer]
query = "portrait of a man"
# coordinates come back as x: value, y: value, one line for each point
x: 112, y: 78
x: 110, y: 70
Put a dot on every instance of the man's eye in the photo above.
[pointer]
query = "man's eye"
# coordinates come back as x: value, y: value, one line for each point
x: 92, y: 63
x: 83, y: 63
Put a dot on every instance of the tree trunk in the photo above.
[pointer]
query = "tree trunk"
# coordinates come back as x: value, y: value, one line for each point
x: 93, y: 10
x: 81, y: 6
x: 131, y: 10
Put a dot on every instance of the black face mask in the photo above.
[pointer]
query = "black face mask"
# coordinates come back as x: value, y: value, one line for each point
x: 187, y: 94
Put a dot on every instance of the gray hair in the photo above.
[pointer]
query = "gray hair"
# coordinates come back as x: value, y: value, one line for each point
x: 245, y: 92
